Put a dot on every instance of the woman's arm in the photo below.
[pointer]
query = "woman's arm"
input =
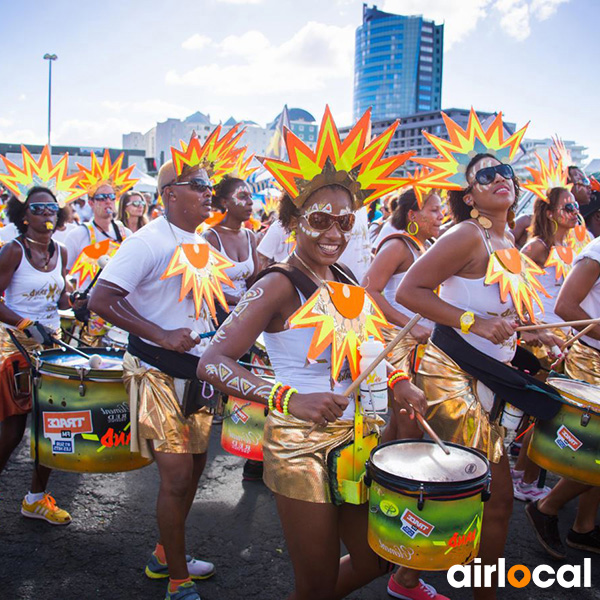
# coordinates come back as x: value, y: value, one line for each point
x: 212, y: 239
x: 10, y: 259
x: 536, y: 250
x: 63, y: 301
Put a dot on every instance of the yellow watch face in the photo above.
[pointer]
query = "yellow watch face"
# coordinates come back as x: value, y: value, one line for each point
x: 466, y: 320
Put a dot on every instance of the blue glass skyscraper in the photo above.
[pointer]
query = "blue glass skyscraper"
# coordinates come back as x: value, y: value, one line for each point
x: 398, y: 65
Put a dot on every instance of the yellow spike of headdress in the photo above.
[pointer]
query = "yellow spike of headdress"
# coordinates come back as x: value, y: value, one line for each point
x: 548, y: 176
x: 242, y: 169
x: 449, y: 168
x: 41, y: 173
x: 357, y: 163
x: 418, y: 181
x: 561, y: 152
x: 106, y: 173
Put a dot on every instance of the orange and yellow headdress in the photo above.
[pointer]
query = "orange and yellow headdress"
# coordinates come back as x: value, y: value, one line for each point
x: 448, y: 170
x: 106, y: 173
x: 41, y: 173
x: 548, y: 176
x: 418, y: 180
x: 561, y: 152
x: 357, y: 163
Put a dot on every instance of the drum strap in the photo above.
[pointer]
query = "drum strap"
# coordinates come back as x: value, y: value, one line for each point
x: 176, y: 364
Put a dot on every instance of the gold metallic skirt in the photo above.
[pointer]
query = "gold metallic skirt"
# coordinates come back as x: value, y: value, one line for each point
x: 583, y: 363
x: 401, y: 354
x: 541, y: 352
x: 455, y: 410
x: 295, y: 466
x: 156, y: 416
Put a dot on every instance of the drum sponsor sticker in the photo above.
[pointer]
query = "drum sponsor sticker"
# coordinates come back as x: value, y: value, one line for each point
x: 60, y: 428
x: 565, y: 439
x: 413, y: 524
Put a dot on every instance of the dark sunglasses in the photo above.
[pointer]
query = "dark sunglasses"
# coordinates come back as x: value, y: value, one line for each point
x: 196, y: 185
x: 323, y: 221
x: 104, y: 197
x: 571, y: 207
x: 487, y: 175
x: 39, y: 208
x: 584, y: 182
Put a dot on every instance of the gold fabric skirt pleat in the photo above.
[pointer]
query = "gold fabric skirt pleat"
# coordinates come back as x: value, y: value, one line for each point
x: 583, y: 363
x: 295, y: 466
x: 156, y: 415
x: 541, y: 352
x: 400, y: 355
x: 455, y: 412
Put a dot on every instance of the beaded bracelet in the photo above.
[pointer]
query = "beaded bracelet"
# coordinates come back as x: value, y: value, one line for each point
x: 274, y: 389
x: 279, y: 397
x: 286, y: 400
x: 395, y: 377
x: 24, y: 324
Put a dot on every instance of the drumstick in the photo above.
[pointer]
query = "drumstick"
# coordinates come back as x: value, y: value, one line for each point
x: 570, y: 341
x: 381, y: 356
x: 434, y: 436
x: 94, y: 360
x: 561, y: 324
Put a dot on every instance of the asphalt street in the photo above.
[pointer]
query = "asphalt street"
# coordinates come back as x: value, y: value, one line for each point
x: 102, y: 553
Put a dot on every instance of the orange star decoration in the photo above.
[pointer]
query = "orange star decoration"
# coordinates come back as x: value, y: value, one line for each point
x: 344, y: 316
x: 86, y: 265
x: 106, y: 173
x: 560, y: 257
x: 41, y: 173
x: 578, y: 238
x: 548, y: 176
x: 416, y: 181
x: 202, y: 271
x: 516, y: 275
x: 594, y: 184
x: 448, y: 170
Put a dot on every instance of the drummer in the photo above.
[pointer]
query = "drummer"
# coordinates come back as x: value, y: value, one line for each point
x: 32, y: 281
x: 158, y: 288
x: 296, y: 451
x: 475, y: 321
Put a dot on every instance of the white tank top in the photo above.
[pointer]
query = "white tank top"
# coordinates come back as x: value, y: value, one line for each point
x: 484, y: 301
x: 34, y: 294
x: 552, y: 287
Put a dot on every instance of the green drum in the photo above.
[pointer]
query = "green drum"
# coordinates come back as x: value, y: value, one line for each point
x: 569, y: 443
x: 80, y: 418
x: 243, y: 425
x: 426, y: 507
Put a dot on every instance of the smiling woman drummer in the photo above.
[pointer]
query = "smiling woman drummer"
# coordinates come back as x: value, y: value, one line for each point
x: 313, y: 318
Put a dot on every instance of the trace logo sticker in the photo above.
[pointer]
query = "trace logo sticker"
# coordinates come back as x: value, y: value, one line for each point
x: 565, y: 439
x: 413, y: 524
x: 60, y: 428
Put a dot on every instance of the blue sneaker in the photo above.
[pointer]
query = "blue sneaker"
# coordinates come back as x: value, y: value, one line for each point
x: 198, y: 569
x: 185, y: 591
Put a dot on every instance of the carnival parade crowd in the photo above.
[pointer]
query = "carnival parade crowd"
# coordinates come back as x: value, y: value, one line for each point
x: 387, y: 327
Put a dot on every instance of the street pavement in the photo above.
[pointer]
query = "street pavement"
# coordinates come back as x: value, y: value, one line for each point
x: 102, y: 553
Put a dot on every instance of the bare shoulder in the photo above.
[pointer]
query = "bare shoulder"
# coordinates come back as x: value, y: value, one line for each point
x: 11, y: 253
x: 462, y: 235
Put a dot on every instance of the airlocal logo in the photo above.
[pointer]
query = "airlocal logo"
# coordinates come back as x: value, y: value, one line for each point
x: 413, y: 524
x: 520, y: 576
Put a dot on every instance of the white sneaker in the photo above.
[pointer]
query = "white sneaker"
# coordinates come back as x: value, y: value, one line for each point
x: 529, y: 492
x: 516, y: 475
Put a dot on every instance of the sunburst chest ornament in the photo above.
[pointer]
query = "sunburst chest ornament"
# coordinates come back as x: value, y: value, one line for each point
x: 86, y: 265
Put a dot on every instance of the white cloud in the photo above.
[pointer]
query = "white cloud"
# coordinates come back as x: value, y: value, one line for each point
x: 153, y: 107
x: 22, y: 97
x: 544, y: 9
x: 21, y: 136
x: 5, y: 122
x: 316, y: 54
x: 517, y: 15
x: 240, y: 1
x: 196, y: 42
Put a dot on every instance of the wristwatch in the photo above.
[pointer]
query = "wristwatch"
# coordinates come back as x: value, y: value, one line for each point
x: 466, y: 321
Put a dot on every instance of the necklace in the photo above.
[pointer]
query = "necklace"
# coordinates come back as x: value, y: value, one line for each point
x: 36, y: 242
x: 49, y: 250
x: 230, y: 228
x: 294, y: 253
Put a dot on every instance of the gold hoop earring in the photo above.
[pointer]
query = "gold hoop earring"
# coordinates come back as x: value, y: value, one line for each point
x: 416, y: 228
x: 510, y: 218
x: 554, y: 226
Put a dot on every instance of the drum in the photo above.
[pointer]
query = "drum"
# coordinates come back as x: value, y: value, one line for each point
x: 67, y: 320
x: 80, y: 419
x: 117, y: 337
x: 425, y: 507
x: 260, y: 358
x: 243, y: 425
x: 569, y: 443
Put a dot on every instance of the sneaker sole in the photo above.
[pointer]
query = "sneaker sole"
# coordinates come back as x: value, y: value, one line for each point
x: 152, y: 575
x: 582, y: 547
x: 544, y: 545
x: 397, y: 595
x: 30, y: 515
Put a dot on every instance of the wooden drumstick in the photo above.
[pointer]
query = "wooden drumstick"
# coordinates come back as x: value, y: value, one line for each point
x: 428, y: 430
x: 558, y: 325
x: 570, y: 341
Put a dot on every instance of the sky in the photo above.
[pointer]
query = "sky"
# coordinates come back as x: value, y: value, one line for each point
x: 124, y: 65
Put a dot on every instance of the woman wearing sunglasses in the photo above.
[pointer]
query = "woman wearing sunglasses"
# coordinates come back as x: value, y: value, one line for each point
x: 309, y: 417
x: 132, y: 211
x: 32, y: 280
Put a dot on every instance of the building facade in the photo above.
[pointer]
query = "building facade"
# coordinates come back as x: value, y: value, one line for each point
x: 398, y: 65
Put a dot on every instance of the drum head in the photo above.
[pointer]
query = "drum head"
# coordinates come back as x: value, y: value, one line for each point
x: 67, y: 363
x: 425, y: 461
x: 578, y: 393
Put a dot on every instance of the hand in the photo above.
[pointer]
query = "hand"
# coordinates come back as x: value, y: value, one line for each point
x: 318, y: 408
x: 180, y: 340
x: 39, y: 333
x: 409, y: 398
x: 421, y: 334
x: 496, y: 329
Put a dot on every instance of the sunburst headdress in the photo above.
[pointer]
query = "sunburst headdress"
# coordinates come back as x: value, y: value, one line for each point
x: 418, y: 180
x: 357, y: 163
x: 41, y: 173
x: 548, y: 176
x: 448, y: 170
x: 561, y: 152
x: 106, y: 173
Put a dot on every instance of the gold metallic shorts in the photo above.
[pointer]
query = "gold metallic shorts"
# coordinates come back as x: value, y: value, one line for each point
x: 295, y: 466
x: 583, y: 363
x: 455, y: 411
x: 156, y: 415
x: 541, y: 352
x: 400, y: 355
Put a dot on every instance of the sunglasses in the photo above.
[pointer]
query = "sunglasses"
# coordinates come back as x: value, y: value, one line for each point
x: 323, y: 221
x: 104, y: 197
x: 487, y: 175
x: 136, y: 203
x: 584, y: 182
x: 196, y: 185
x: 39, y: 208
x: 571, y: 207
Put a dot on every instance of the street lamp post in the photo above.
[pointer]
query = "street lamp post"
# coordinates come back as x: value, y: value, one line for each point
x: 50, y: 58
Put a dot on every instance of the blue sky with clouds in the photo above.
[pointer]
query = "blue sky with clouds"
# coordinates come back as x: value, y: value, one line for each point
x: 124, y: 65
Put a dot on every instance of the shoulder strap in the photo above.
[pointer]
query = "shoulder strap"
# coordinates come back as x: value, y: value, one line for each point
x: 119, y: 233
x: 344, y: 274
x: 300, y: 280
x: 400, y: 236
x: 214, y: 232
x: 90, y: 227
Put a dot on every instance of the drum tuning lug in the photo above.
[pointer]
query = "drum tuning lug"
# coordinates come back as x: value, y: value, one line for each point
x: 421, y: 502
x: 82, y: 389
x: 585, y: 419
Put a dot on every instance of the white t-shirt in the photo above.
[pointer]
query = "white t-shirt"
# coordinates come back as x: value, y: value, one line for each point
x: 137, y: 267
x: 591, y: 303
x: 274, y: 245
x: 8, y: 233
x: 61, y: 236
x: 387, y: 229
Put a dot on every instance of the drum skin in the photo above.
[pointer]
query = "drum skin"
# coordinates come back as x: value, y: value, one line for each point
x: 85, y: 434
x: 243, y: 425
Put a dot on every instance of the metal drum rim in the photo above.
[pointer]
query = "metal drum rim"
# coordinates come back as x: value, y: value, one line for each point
x: 572, y: 400
x: 44, y: 367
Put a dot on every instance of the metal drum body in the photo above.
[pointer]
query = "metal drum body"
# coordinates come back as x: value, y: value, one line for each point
x: 80, y: 416
x: 243, y: 425
x: 431, y: 523
x: 569, y: 443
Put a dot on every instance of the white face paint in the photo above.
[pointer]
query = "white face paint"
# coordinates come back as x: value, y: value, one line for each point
x: 241, y: 195
x: 319, y: 207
